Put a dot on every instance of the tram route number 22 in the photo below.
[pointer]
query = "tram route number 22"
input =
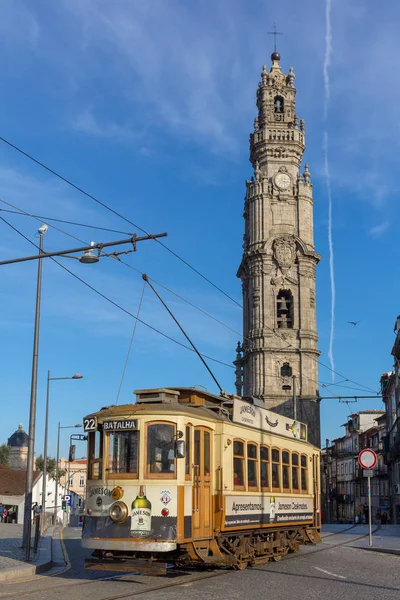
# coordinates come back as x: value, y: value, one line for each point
x: 90, y: 424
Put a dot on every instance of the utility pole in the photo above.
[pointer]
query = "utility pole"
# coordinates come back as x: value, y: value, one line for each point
x: 294, y: 398
x: 88, y: 257
x: 32, y: 413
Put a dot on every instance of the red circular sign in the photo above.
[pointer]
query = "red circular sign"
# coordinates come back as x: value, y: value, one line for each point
x: 367, y: 458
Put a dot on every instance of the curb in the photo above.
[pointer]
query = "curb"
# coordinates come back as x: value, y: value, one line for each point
x: 393, y: 551
x: 44, y: 561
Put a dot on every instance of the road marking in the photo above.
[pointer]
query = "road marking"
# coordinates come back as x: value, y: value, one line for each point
x: 329, y: 573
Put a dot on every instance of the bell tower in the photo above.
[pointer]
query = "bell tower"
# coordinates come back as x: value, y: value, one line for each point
x: 278, y: 265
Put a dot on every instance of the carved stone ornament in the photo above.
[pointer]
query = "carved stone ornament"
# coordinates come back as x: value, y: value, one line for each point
x: 284, y: 253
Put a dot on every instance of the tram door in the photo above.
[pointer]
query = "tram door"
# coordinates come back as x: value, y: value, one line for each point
x: 202, y: 484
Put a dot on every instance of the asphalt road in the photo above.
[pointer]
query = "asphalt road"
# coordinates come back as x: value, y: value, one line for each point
x: 328, y: 571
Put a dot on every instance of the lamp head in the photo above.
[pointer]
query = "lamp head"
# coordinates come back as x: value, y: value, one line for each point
x: 43, y: 229
x: 77, y: 376
x: 89, y: 257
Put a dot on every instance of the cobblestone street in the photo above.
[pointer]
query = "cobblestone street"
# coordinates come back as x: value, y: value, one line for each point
x: 11, y: 552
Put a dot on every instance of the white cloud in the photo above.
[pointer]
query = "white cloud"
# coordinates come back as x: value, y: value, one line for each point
x: 378, y: 230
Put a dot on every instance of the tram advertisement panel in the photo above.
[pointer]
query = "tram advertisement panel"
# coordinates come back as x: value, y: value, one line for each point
x: 152, y: 511
x: 260, y: 510
x: 250, y: 415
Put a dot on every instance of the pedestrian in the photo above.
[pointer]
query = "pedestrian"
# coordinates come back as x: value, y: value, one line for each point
x: 384, y: 518
x: 36, y: 511
x: 1, y: 512
x: 5, y: 514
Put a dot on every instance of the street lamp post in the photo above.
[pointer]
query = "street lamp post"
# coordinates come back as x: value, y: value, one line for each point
x: 79, y: 438
x: 88, y: 256
x: 32, y: 412
x: 58, y: 459
x: 44, y: 483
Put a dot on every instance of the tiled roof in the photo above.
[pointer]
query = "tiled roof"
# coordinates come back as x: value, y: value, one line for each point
x: 12, y: 481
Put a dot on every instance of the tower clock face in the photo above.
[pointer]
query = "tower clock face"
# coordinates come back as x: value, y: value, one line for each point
x: 282, y: 181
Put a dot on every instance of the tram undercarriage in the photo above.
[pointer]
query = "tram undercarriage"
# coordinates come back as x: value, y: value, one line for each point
x: 236, y: 550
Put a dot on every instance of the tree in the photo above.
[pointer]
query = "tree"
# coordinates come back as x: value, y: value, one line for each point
x: 4, y: 455
x: 51, y: 467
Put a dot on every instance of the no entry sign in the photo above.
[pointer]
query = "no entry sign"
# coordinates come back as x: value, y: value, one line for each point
x: 367, y: 458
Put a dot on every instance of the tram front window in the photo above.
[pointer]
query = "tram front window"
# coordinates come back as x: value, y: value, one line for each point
x: 160, y: 449
x: 123, y: 452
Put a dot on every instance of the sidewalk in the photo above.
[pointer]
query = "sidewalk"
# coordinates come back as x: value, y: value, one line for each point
x: 385, y: 538
x: 12, y: 555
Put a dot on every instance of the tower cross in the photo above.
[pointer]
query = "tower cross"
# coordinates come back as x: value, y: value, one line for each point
x: 274, y: 33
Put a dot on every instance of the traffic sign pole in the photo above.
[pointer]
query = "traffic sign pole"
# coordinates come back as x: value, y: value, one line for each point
x: 369, y: 511
x: 367, y: 460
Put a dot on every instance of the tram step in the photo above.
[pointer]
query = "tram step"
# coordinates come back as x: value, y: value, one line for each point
x: 210, y: 560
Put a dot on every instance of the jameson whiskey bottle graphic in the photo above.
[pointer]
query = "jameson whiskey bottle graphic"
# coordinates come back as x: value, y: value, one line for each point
x: 272, y: 509
x: 141, y: 515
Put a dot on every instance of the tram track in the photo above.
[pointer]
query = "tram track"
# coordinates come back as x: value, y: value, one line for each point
x: 179, y: 576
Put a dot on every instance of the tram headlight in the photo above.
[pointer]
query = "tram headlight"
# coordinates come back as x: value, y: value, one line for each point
x: 119, y: 512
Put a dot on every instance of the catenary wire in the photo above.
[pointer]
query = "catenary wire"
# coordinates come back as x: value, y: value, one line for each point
x: 87, y: 194
x: 82, y: 191
x: 185, y: 300
x: 43, y: 218
x: 113, y: 302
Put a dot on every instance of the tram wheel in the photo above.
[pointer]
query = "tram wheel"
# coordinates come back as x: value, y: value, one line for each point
x: 241, y: 565
x: 277, y: 557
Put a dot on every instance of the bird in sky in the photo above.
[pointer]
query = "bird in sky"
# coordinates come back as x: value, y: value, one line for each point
x: 354, y: 322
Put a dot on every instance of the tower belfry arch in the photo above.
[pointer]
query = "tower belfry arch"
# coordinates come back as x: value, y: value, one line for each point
x: 279, y: 260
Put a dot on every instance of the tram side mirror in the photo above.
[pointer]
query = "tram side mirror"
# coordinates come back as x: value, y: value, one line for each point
x: 71, y: 456
x: 179, y: 449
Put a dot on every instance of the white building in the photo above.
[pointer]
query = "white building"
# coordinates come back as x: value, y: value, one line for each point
x: 12, y: 494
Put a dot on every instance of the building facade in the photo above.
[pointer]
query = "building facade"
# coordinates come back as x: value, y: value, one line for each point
x: 277, y: 271
x: 75, y: 475
x: 344, y: 495
x: 391, y: 396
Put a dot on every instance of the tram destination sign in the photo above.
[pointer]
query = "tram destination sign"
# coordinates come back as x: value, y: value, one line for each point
x: 248, y: 414
x: 120, y: 425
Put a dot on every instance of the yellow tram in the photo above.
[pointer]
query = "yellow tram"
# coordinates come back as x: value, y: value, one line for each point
x: 189, y: 478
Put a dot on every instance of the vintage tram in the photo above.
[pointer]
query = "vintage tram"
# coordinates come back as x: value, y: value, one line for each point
x: 189, y: 478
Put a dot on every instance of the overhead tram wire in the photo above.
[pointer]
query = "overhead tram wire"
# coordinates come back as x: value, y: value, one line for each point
x: 19, y: 212
x: 193, y: 305
x: 113, y: 302
x: 88, y: 195
x: 82, y: 191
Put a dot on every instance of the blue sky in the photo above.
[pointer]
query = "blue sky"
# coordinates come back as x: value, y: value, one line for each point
x: 148, y: 105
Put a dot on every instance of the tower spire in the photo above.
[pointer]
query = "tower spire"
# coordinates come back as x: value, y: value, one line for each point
x: 279, y: 260
x: 275, y: 33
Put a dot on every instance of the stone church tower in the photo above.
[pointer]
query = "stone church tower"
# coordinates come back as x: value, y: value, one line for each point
x: 279, y: 260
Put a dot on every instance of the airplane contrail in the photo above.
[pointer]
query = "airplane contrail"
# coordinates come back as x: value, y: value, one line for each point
x: 327, y: 62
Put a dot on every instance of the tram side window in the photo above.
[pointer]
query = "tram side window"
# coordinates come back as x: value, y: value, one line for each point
x: 303, y: 463
x: 95, y: 454
x: 275, y: 456
x: 160, y: 450
x: 238, y: 465
x: 123, y: 451
x: 252, y: 466
x: 295, y: 472
x: 285, y: 469
x: 188, y: 456
x: 264, y: 460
